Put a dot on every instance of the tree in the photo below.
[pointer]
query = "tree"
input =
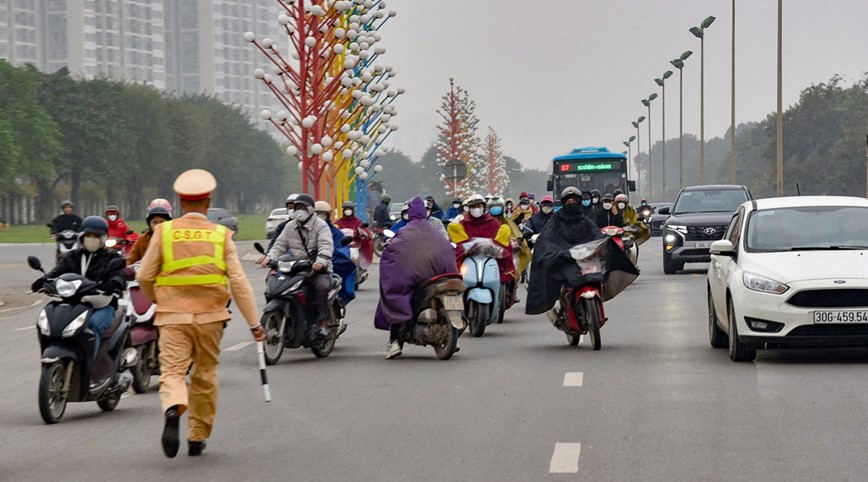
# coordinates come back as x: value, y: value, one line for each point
x: 457, y: 140
x: 492, y: 170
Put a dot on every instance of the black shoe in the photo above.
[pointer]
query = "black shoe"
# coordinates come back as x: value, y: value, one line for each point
x: 195, y: 448
x: 170, y: 433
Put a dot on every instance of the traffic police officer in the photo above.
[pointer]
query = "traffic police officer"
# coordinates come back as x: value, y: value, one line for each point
x: 185, y: 270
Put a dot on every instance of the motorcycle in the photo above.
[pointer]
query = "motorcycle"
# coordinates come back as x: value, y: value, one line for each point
x: 141, y: 312
x: 361, y: 251
x: 122, y: 245
x: 380, y: 238
x: 482, y: 299
x: 580, y: 308
x: 625, y: 238
x: 438, y: 315
x: 67, y: 240
x: 70, y: 371
x: 284, y: 317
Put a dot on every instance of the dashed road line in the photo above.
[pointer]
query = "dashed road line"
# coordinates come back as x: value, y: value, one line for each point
x: 23, y: 328
x: 239, y: 346
x: 574, y: 379
x: 565, y: 459
x: 10, y: 310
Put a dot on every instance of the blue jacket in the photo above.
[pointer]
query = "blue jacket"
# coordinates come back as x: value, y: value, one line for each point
x: 451, y: 213
x: 397, y: 226
x: 343, y: 266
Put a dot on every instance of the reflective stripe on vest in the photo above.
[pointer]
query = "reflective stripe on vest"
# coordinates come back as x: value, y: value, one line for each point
x: 172, y: 236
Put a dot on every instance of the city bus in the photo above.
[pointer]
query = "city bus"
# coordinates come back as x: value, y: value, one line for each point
x: 590, y: 168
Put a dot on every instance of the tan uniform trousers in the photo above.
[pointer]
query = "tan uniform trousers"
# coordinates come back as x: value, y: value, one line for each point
x: 179, y: 346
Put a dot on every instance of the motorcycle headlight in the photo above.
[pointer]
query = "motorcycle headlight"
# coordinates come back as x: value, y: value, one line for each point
x: 75, y: 325
x: 463, y: 270
x: 285, y: 266
x: 762, y: 284
x: 111, y: 243
x: 42, y: 323
x: 66, y: 288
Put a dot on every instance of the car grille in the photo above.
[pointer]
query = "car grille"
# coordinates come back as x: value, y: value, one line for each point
x: 830, y: 330
x: 842, y: 298
x: 697, y: 233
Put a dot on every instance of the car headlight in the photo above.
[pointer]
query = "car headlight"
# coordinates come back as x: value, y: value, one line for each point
x: 42, y: 323
x: 66, y: 288
x: 75, y: 325
x: 765, y: 285
x: 678, y: 228
x: 670, y: 238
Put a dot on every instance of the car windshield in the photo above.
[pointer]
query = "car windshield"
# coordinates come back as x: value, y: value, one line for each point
x: 278, y: 212
x: 808, y: 228
x: 709, y: 201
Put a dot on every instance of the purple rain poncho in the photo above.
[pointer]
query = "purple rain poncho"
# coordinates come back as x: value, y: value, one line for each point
x: 416, y: 254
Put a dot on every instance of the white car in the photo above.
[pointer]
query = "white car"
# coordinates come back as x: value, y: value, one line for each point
x: 276, y: 217
x: 790, y: 271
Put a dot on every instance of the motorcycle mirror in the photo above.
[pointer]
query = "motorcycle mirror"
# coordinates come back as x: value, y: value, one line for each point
x: 259, y: 247
x: 346, y: 240
x: 388, y: 233
x: 129, y: 231
x: 34, y: 263
x: 49, y: 225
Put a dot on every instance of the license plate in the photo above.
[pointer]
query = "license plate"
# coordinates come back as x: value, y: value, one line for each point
x: 703, y: 244
x: 841, y: 317
x: 453, y: 303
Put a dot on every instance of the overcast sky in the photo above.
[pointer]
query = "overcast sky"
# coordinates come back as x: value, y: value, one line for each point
x: 550, y: 75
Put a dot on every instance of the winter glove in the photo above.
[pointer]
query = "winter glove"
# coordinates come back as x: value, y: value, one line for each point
x: 112, y: 286
x: 38, y: 284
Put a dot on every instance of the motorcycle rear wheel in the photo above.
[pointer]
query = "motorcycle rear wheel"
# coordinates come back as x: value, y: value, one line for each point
x: 592, y: 314
x: 323, y: 350
x: 478, y: 315
x: 274, y: 324
x: 142, y: 371
x: 51, y: 405
x: 445, y: 350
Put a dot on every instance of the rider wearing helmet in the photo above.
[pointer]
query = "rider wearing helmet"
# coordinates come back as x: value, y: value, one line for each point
x: 595, y: 198
x: 94, y: 262
x: 477, y: 223
x: 609, y: 214
x: 497, y: 209
x: 434, y: 208
x: 405, y: 218
x: 381, y: 212
x: 523, y: 212
x: 453, y: 211
x: 539, y: 220
x: 119, y: 229
x: 279, y: 228
x: 67, y: 220
x: 349, y: 219
x: 309, y: 237
x: 159, y: 211
x: 341, y: 260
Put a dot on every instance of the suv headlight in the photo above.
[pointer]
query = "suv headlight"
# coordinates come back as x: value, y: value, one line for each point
x: 678, y: 228
x: 75, y: 325
x: 42, y: 323
x: 762, y: 284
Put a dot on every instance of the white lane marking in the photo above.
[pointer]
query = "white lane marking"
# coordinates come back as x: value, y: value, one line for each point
x: 565, y: 460
x: 23, y: 328
x: 574, y: 379
x: 9, y: 310
x: 239, y: 346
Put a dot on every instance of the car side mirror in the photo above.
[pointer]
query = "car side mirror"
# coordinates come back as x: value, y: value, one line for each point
x: 550, y: 185
x: 631, y: 186
x: 664, y: 210
x: 722, y: 247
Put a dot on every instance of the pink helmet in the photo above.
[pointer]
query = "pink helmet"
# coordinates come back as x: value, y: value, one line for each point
x: 547, y: 199
x: 160, y: 202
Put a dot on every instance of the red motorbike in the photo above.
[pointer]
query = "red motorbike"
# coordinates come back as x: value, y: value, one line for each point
x: 141, y: 312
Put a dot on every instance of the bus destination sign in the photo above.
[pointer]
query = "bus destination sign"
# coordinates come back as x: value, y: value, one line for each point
x: 589, y: 166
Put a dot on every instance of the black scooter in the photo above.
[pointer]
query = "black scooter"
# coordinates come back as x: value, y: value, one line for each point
x: 70, y: 372
x: 284, y: 318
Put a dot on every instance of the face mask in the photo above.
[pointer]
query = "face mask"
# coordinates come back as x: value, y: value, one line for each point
x: 348, y: 212
x: 405, y: 216
x: 595, y: 200
x: 547, y: 209
x: 622, y: 205
x: 572, y: 209
x: 477, y: 212
x: 91, y: 243
x: 112, y: 217
x: 496, y: 210
x: 301, y: 215
x: 607, y: 206
x: 586, y: 202
x: 523, y: 205
x: 456, y: 205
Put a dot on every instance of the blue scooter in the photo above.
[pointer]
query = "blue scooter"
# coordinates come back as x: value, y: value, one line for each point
x: 482, y: 304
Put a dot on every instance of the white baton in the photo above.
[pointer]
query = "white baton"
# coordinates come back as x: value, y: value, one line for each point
x: 262, y: 374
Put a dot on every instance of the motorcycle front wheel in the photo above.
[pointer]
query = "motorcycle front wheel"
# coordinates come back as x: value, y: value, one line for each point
x: 274, y: 324
x: 52, y: 403
x: 592, y: 314
x: 109, y: 404
x: 478, y: 314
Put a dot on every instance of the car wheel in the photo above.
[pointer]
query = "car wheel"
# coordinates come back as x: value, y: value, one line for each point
x: 669, y: 266
x: 716, y: 336
x: 738, y: 351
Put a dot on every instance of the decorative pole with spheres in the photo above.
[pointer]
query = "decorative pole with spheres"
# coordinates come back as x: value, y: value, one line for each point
x: 335, y: 99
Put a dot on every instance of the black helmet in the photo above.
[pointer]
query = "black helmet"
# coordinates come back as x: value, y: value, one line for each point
x: 350, y: 205
x: 112, y: 208
x: 618, y: 191
x: 94, y: 225
x: 158, y: 211
x: 66, y: 203
x: 608, y: 197
x: 429, y: 198
x: 595, y: 193
x: 304, y: 199
x: 456, y: 200
x: 570, y: 191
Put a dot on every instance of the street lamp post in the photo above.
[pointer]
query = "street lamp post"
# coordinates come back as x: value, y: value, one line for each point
x: 679, y: 64
x: 638, y: 149
x: 779, y: 120
x: 662, y: 83
x: 629, y: 152
x: 732, y: 114
x: 699, y: 32
x: 647, y: 103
